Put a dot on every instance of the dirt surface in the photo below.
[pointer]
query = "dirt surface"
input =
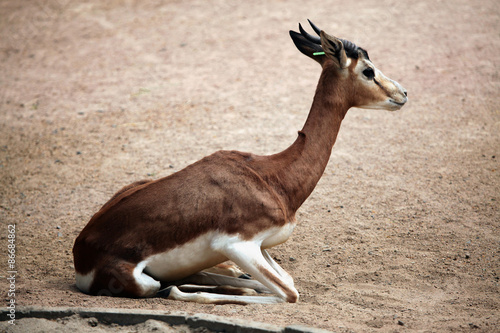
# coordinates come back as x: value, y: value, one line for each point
x: 401, y: 233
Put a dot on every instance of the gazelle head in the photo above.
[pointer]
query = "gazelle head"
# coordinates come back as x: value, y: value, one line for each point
x: 369, y: 87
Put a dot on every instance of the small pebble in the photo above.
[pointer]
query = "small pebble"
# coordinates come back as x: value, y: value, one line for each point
x: 93, y: 322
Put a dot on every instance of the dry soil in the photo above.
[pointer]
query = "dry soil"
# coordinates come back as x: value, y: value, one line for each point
x: 402, y: 232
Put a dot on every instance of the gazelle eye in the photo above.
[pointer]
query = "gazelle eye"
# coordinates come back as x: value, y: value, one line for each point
x: 369, y: 73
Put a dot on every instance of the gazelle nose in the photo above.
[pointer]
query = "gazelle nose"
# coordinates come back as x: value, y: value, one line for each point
x: 406, y: 93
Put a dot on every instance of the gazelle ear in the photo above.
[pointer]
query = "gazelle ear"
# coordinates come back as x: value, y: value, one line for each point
x: 334, y: 49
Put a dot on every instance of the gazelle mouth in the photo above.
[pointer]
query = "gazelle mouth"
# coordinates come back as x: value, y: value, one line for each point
x: 397, y: 103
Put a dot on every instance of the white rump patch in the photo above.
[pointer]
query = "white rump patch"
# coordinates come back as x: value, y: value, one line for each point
x: 83, y: 282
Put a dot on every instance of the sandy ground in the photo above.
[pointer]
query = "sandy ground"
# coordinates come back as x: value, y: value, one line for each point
x: 402, y: 232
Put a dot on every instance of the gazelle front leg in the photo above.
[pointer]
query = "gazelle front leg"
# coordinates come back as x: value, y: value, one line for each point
x: 251, y: 258
x: 284, y: 274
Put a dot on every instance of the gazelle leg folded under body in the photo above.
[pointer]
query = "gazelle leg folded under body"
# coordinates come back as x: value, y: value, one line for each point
x: 228, y: 269
x: 206, y: 278
x: 284, y: 274
x: 209, y: 298
x: 252, y: 259
x: 225, y: 290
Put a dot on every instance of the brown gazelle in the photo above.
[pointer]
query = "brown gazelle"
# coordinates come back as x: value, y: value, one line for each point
x: 229, y: 205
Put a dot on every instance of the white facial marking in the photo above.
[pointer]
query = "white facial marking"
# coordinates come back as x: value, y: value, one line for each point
x: 348, y: 62
x: 391, y: 94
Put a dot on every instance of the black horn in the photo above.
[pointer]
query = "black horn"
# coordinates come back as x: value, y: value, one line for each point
x: 311, y: 38
x: 315, y: 28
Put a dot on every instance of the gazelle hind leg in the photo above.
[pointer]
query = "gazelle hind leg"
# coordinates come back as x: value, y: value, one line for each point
x: 121, y: 279
x: 206, y: 278
x: 148, y: 285
x: 225, y: 289
x: 174, y: 293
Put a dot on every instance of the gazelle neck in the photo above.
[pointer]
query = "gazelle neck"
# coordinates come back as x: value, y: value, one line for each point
x: 328, y: 109
x: 303, y: 163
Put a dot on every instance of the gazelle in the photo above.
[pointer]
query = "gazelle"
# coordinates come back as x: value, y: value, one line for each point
x: 229, y: 205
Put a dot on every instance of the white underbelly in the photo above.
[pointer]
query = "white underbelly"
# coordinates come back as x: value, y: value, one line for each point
x: 184, y: 260
x: 199, y: 254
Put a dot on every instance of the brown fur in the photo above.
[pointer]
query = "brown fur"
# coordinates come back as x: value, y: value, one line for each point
x: 229, y: 191
x: 115, y: 279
